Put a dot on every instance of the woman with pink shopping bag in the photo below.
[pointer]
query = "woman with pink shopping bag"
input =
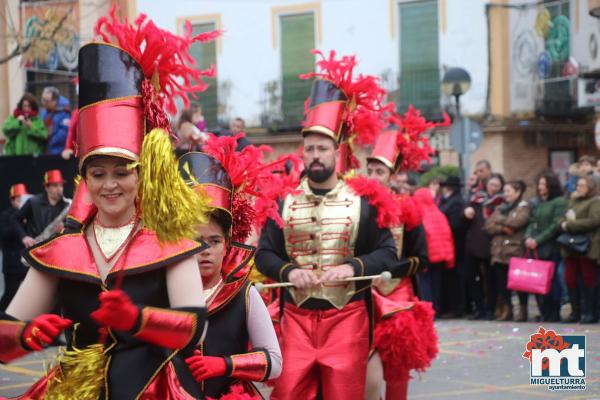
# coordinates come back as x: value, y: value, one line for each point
x: 540, y: 236
x: 507, y: 226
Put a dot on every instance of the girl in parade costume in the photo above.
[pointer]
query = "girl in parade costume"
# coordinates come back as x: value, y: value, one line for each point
x: 404, y: 335
x: 243, y: 193
x: 126, y: 283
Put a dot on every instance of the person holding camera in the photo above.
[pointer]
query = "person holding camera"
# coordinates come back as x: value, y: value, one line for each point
x: 24, y: 130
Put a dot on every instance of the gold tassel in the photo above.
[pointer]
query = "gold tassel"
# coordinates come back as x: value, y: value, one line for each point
x: 79, y: 374
x: 168, y: 206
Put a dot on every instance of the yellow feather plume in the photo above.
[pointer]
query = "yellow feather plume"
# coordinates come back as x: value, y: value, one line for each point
x: 168, y: 206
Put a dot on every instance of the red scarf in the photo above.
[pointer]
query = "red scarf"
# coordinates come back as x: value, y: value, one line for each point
x: 18, y: 112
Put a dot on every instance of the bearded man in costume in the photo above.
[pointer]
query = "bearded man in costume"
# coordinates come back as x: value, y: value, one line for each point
x: 329, y: 233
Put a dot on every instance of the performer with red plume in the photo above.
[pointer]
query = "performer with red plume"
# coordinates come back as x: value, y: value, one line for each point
x: 329, y: 233
x: 405, y: 337
x: 345, y: 107
x: 127, y: 282
x: 243, y: 193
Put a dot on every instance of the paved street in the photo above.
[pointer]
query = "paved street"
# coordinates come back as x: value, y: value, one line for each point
x: 480, y: 360
x: 477, y: 360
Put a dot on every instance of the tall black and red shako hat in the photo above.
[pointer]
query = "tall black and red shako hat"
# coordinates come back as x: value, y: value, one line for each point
x: 346, y: 107
x: 403, y: 145
x: 128, y: 82
x: 241, y: 184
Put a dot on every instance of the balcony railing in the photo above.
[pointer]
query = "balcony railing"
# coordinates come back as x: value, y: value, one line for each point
x: 556, y: 97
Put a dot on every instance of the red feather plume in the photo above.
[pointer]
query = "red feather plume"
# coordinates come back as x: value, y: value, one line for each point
x: 380, y: 197
x: 362, y: 118
x: 407, y: 341
x: 164, y: 58
x: 256, y: 187
x: 411, y: 137
x: 392, y: 210
x: 411, y: 214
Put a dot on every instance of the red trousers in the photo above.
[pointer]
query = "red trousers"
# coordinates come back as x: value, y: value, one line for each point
x: 587, y: 266
x: 327, y: 349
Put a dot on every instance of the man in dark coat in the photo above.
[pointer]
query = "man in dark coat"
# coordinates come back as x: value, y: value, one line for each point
x: 12, y: 268
x: 452, y: 205
x: 41, y: 211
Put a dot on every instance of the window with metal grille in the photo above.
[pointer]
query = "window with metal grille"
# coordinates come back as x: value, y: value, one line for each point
x: 205, y: 55
x: 419, y: 57
x: 297, y: 40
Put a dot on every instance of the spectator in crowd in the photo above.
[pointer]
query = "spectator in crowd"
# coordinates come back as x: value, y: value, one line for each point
x: 191, y: 137
x: 440, y: 247
x: 478, y: 272
x: 548, y: 208
x: 237, y: 125
x: 403, y: 183
x: 435, y: 189
x: 199, y: 120
x: 583, y: 167
x: 24, y: 129
x: 583, y: 218
x: 452, y: 205
x: 41, y: 214
x: 71, y: 142
x: 597, y: 170
x: 507, y: 226
x: 483, y: 171
x: 56, y: 115
x: 14, y: 271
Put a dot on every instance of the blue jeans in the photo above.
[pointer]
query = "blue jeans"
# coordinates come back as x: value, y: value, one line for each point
x: 556, y: 289
x: 560, y: 273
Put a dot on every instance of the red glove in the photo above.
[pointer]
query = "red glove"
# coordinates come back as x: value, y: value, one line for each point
x: 204, y: 367
x: 116, y: 311
x: 42, y: 330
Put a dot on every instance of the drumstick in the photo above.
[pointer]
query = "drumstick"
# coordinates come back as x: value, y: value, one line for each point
x: 385, y: 275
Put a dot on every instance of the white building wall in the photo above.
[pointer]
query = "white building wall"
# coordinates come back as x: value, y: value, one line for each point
x: 464, y: 44
x: 369, y: 29
x: 588, y: 31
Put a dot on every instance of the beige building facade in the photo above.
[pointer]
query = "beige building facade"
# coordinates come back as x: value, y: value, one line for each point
x: 47, y: 62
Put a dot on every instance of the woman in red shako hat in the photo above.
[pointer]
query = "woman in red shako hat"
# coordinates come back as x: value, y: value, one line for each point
x: 126, y: 282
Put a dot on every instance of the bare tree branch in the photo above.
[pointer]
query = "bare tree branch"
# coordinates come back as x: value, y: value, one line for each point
x: 23, y: 48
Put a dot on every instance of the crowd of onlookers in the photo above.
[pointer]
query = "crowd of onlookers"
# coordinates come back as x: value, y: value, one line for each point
x: 491, y: 221
x: 473, y: 230
x: 32, y: 129
x: 192, y: 132
x: 51, y: 128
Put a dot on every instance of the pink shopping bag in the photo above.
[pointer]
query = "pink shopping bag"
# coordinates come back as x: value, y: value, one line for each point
x: 530, y: 275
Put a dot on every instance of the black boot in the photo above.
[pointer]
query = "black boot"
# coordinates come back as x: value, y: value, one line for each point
x: 575, y: 301
x: 589, y: 306
x: 554, y: 311
x: 544, y: 306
